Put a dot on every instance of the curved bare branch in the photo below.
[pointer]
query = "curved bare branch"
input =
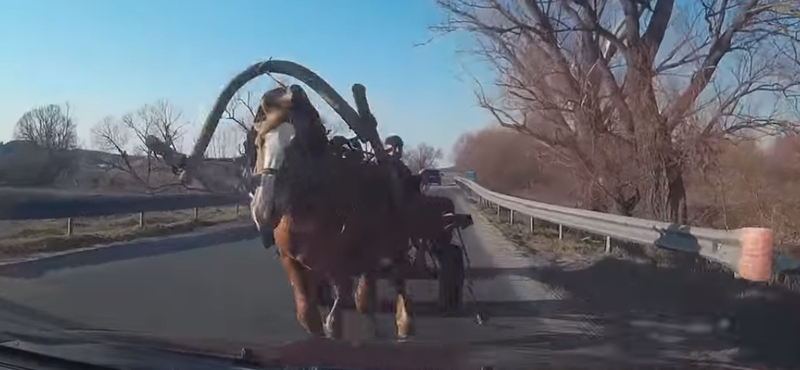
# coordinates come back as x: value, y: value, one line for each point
x: 364, y: 127
x: 288, y: 68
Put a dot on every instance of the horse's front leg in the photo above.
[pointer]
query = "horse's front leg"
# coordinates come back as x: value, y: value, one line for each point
x: 305, y: 297
x: 367, y: 304
x: 303, y: 283
x: 342, y: 297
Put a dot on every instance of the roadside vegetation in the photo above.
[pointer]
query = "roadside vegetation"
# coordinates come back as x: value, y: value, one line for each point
x: 21, y: 238
x: 689, y: 117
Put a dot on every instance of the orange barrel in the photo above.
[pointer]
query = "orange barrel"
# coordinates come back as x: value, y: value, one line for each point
x: 755, y: 263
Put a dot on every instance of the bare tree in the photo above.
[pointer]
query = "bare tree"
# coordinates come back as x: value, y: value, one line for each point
x: 786, y: 7
x: 586, y: 79
x: 161, y: 120
x: 521, y: 168
x: 242, y: 110
x: 422, y: 156
x: 227, y: 142
x: 128, y: 135
x: 49, y: 126
x: 110, y: 135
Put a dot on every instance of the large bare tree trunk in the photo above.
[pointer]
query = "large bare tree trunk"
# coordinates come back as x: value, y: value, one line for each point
x: 654, y: 151
x: 678, y: 210
x: 663, y: 185
x: 586, y: 78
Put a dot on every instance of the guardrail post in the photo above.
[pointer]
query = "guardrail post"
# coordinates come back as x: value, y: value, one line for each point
x: 608, y: 244
x: 498, y: 211
x: 237, y: 210
x: 69, y: 226
x: 560, y: 231
x: 141, y: 219
x: 511, y: 216
x: 196, y: 214
x: 755, y: 262
x: 531, y: 224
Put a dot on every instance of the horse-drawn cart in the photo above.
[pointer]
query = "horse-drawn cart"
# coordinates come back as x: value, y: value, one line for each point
x: 436, y: 251
x: 447, y: 258
x: 438, y: 247
x: 431, y: 220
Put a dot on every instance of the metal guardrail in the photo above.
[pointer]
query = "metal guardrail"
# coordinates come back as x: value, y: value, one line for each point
x: 723, y: 246
x: 30, y: 204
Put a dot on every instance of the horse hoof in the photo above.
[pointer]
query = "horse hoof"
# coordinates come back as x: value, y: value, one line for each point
x: 328, y: 328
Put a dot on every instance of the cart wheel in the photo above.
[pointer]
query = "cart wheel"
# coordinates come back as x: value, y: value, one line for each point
x: 451, y: 277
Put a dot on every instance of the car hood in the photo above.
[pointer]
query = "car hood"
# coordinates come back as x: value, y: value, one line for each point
x: 134, y: 351
x: 138, y: 351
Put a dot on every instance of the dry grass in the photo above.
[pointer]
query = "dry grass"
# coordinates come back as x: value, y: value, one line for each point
x: 577, y: 248
x: 18, y: 238
x: 543, y: 241
x: 86, y: 171
x: 729, y: 184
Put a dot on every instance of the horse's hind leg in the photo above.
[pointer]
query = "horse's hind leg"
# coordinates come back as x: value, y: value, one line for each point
x: 305, y: 297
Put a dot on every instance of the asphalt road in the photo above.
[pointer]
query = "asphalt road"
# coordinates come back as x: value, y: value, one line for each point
x: 234, y: 290
x: 238, y: 291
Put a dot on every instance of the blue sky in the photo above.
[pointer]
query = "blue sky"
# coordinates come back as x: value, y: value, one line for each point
x: 109, y: 57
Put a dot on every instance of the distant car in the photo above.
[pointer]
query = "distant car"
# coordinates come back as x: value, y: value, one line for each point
x: 432, y: 176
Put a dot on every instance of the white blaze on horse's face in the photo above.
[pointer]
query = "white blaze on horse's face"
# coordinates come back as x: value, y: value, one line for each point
x: 273, y: 148
x: 275, y: 144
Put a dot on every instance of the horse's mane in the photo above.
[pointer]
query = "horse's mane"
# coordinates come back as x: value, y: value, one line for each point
x: 312, y: 175
x: 332, y: 181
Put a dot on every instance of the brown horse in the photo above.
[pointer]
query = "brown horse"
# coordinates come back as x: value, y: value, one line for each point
x: 332, y: 218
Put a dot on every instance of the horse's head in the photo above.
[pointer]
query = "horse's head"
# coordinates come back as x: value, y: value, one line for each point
x: 286, y: 116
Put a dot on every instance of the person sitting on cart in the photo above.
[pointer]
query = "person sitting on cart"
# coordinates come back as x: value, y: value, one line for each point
x: 412, y: 183
x: 394, y: 148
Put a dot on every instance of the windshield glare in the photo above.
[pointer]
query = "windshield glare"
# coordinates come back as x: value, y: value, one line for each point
x: 212, y: 178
